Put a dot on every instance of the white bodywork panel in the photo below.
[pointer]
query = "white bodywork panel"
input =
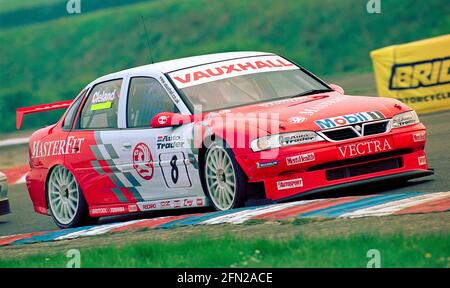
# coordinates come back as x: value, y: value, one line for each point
x: 158, y: 174
x: 175, y: 171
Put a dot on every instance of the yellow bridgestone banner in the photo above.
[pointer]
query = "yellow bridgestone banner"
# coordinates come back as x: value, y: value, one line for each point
x: 416, y: 73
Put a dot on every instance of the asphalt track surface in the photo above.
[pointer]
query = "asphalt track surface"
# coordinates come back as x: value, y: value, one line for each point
x: 23, y: 219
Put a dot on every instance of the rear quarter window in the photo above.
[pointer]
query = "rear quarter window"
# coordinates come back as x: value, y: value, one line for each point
x: 72, y: 111
x: 100, y: 109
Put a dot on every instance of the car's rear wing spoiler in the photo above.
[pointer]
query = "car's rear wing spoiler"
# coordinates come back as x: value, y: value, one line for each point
x: 20, y: 112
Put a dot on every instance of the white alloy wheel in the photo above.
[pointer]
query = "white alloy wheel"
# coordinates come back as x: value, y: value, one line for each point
x: 220, y: 177
x: 63, y: 195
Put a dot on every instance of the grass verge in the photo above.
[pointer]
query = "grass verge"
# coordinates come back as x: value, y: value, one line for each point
x: 231, y: 251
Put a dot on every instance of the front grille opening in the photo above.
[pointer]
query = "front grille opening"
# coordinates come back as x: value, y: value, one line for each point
x: 375, y: 128
x: 349, y: 132
x: 362, y: 169
x: 341, y: 134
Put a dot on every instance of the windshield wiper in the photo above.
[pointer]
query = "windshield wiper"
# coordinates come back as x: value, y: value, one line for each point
x: 312, y: 91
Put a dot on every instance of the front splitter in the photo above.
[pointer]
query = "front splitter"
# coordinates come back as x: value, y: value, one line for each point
x: 376, y: 180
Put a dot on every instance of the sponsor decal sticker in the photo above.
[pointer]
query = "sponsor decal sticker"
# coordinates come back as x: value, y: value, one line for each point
x: 117, y: 209
x: 289, y: 184
x: 102, y: 97
x: 165, y: 204
x: 162, y: 119
x: 230, y: 68
x: 149, y: 206
x: 143, y: 161
x: 169, y: 89
x: 365, y: 148
x: 349, y: 119
x: 132, y: 208
x: 296, y: 120
x: 419, y: 137
x: 188, y: 203
x: 103, y: 100
x: 101, y: 106
x: 299, y: 159
x: 266, y: 164
x: 123, y: 209
x: 99, y: 211
x: 297, y: 138
x: 279, y: 102
x: 172, y: 204
x: 323, y: 104
x: 422, y: 160
x: 176, y: 203
x: 169, y: 142
x: 57, y: 147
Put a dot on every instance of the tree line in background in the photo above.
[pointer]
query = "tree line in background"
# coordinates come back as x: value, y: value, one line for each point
x: 49, y: 55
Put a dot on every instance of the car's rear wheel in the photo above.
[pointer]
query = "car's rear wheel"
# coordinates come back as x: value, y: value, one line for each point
x: 67, y: 205
x: 223, y: 178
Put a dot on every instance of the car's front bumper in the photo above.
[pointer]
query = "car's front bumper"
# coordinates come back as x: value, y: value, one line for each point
x: 4, y: 202
x: 325, y: 168
x: 319, y: 180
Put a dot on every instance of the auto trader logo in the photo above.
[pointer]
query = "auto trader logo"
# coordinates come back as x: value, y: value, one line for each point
x: 169, y: 142
x: 420, y: 74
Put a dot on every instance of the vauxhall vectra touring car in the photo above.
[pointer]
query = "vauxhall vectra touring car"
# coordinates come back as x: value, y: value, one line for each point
x: 214, y: 130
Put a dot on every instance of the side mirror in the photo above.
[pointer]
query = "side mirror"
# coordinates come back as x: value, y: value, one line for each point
x: 337, y: 88
x: 170, y: 119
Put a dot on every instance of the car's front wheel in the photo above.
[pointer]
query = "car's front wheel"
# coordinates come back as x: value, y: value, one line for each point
x: 67, y: 205
x: 224, y: 180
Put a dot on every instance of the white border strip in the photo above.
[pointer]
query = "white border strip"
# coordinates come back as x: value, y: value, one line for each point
x: 394, y: 206
x: 242, y: 216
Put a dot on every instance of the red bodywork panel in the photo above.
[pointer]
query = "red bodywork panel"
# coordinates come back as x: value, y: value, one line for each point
x: 309, y: 162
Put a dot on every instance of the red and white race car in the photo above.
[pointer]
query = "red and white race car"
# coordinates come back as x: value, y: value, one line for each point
x: 217, y: 130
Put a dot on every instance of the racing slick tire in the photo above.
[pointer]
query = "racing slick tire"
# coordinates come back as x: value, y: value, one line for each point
x: 223, y: 180
x: 65, y: 200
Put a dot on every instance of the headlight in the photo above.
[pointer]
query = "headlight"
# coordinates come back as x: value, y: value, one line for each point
x: 286, y: 139
x: 405, y: 119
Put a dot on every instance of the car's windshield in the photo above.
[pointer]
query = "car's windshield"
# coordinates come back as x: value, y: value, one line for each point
x: 209, y: 87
